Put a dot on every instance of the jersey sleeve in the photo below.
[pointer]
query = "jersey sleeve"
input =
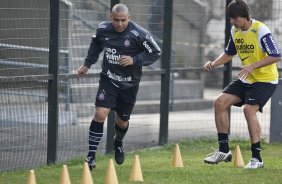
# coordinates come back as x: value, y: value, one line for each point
x: 230, y: 49
x: 151, y: 51
x: 94, y: 50
x: 269, y: 45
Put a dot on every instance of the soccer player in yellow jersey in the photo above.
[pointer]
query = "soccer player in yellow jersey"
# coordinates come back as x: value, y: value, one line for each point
x: 253, y: 42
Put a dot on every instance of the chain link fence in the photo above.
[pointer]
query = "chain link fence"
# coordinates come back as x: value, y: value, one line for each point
x: 197, y: 36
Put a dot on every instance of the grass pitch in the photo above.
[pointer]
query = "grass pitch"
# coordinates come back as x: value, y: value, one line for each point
x: 157, y: 169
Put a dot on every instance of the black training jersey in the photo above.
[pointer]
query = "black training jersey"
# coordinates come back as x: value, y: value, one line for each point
x: 134, y: 41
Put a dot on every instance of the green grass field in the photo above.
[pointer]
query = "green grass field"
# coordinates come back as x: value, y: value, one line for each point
x: 157, y: 169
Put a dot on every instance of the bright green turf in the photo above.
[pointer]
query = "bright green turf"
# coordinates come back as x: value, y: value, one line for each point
x: 156, y: 167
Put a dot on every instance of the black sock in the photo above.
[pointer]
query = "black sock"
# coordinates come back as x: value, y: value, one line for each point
x: 223, y: 142
x: 120, y: 133
x: 256, y: 151
x: 95, y: 135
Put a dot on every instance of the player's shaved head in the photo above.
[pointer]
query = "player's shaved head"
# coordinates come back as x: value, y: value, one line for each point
x: 120, y: 8
x: 120, y: 17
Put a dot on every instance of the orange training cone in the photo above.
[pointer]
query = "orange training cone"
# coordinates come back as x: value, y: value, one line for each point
x: 86, y: 175
x: 136, y: 173
x: 111, y: 175
x: 177, y: 159
x: 65, y: 177
x: 31, y: 178
x: 238, y: 159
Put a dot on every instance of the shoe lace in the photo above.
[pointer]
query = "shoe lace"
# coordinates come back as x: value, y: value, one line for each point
x: 212, y: 153
x: 254, y: 161
x: 121, y: 149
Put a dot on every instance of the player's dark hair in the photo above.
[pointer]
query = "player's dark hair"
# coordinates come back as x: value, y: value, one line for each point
x: 238, y: 8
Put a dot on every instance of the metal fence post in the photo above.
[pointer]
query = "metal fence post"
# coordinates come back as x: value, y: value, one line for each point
x: 165, y: 78
x: 228, y: 66
x: 52, y: 139
x: 227, y: 74
x: 110, y: 132
x: 113, y: 3
x: 275, y: 116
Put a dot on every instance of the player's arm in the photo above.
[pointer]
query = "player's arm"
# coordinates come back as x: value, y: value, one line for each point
x: 265, y: 62
x: 94, y: 51
x: 270, y: 47
x: 223, y: 58
x: 151, y: 53
x: 92, y: 57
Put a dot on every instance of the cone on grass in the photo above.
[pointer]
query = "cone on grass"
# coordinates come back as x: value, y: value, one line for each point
x: 86, y: 175
x: 177, y: 159
x: 31, y: 178
x: 111, y: 175
x: 136, y: 172
x: 238, y: 159
x: 65, y: 177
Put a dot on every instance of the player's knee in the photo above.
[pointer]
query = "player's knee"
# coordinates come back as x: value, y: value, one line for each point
x: 250, y: 109
x: 100, y: 115
x: 218, y: 104
x: 99, y: 118
x: 122, y: 124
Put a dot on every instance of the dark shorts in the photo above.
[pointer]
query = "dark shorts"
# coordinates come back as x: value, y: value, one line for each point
x: 257, y: 93
x: 120, y: 100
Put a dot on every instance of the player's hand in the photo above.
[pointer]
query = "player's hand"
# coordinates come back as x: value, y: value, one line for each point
x: 82, y: 70
x: 246, y: 71
x: 208, y: 66
x: 126, y: 60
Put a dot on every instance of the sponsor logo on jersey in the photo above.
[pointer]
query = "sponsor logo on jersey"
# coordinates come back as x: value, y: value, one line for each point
x: 153, y: 42
x: 102, y: 26
x: 266, y: 46
x: 243, y: 59
x: 118, y: 77
x: 253, y: 30
x: 112, y: 56
x: 276, y: 51
x: 147, y: 47
x: 243, y: 47
x: 126, y: 43
x: 134, y: 32
x: 101, y: 95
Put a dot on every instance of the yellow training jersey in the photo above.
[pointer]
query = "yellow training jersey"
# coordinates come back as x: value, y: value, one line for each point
x: 249, y: 49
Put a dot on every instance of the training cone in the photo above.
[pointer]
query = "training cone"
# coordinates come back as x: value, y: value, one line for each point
x: 238, y: 159
x: 136, y: 172
x: 86, y: 175
x: 31, y: 178
x: 65, y: 177
x: 177, y: 159
x: 111, y: 175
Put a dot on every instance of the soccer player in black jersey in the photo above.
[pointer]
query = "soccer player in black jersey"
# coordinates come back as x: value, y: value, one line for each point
x: 127, y: 47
